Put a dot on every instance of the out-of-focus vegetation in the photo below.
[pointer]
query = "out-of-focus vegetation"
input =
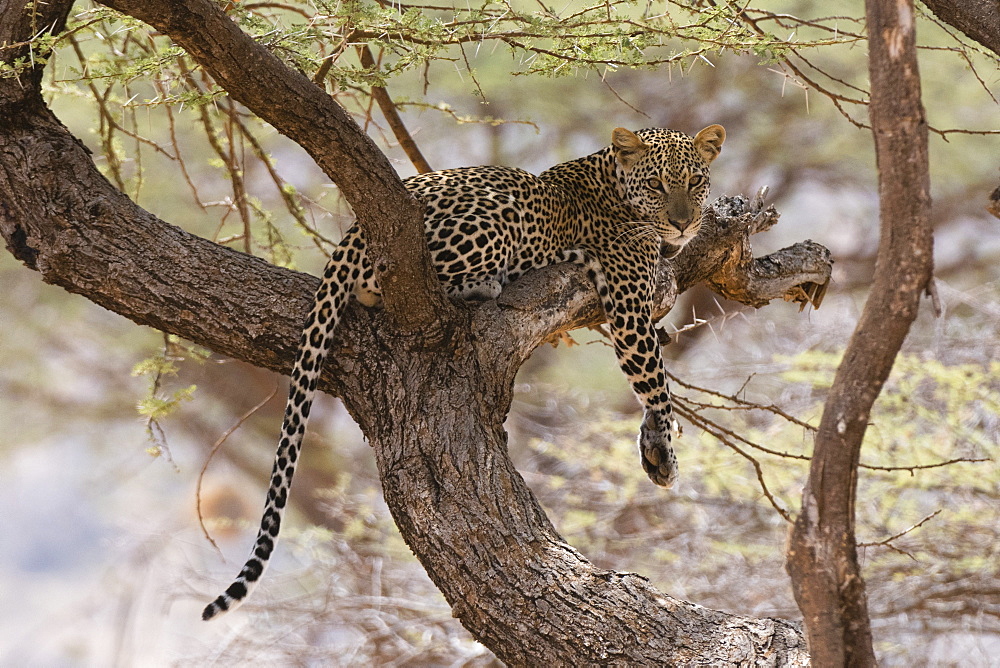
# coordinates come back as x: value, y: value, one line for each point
x: 107, y: 556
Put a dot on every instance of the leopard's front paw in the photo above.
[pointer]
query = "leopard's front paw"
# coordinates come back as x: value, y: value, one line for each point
x: 656, y: 451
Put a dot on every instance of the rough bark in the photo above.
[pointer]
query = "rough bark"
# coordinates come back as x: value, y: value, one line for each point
x: 822, y: 554
x: 978, y: 19
x: 436, y: 428
x: 436, y: 425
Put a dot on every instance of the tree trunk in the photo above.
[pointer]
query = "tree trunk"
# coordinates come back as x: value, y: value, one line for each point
x: 436, y: 425
x: 822, y: 554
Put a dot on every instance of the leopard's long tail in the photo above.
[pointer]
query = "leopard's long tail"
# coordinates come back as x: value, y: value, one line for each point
x: 331, y: 297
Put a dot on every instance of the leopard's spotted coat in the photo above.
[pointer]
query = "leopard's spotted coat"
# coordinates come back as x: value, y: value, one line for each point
x: 486, y: 226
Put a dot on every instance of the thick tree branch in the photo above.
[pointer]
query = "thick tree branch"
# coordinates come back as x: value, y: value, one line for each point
x: 70, y: 228
x: 822, y: 553
x: 435, y: 425
x: 799, y: 273
x: 978, y: 19
x: 252, y: 75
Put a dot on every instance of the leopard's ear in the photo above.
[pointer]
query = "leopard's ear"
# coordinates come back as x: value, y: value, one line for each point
x: 627, y: 147
x: 709, y: 142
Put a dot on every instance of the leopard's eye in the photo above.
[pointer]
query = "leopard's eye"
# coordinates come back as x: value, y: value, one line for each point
x: 696, y: 181
x: 654, y: 183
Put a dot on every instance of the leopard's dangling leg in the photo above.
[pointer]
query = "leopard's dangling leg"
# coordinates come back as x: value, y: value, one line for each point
x: 623, y: 274
x: 339, y: 279
x: 656, y: 449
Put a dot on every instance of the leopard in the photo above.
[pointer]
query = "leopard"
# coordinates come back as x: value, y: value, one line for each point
x: 615, y: 212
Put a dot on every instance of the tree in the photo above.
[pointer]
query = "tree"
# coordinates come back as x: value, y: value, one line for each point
x: 822, y: 553
x: 69, y: 229
x: 445, y: 473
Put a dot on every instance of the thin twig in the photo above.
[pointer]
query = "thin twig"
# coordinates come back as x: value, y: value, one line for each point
x: 391, y: 114
x: 211, y: 454
x: 886, y: 542
x: 712, y: 428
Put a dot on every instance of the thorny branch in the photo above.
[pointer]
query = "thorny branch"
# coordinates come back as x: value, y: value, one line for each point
x: 728, y: 437
x: 697, y: 413
x: 737, y: 403
x: 832, y: 25
x: 549, y: 40
x: 887, y: 542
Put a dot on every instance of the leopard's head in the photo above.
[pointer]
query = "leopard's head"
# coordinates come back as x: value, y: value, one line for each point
x: 664, y: 176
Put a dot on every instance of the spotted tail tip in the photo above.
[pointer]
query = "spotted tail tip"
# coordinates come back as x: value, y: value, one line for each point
x: 213, y: 608
x: 226, y: 602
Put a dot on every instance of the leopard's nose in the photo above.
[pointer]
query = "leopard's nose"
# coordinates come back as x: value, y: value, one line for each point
x: 679, y: 225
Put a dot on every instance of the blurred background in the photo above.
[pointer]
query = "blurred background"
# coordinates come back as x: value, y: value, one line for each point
x: 106, y: 427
